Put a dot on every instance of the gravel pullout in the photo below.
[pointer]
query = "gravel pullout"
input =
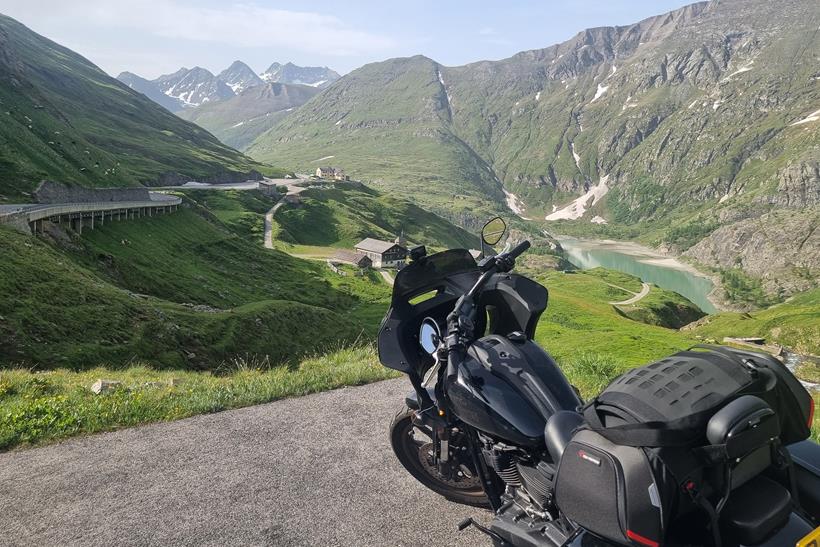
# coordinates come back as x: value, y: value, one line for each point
x: 314, y: 470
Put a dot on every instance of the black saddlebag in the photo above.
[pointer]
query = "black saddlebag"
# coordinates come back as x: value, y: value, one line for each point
x: 651, y: 453
x: 609, y: 490
x: 668, y: 403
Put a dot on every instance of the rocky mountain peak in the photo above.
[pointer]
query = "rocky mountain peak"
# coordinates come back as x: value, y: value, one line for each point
x: 239, y: 77
x: 290, y: 73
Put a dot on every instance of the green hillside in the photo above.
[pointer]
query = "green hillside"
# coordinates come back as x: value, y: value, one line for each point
x: 175, y: 291
x: 388, y: 123
x: 64, y: 119
x: 794, y: 323
x: 345, y: 214
x: 238, y: 121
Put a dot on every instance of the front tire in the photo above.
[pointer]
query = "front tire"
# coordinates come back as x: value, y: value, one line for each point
x: 413, y: 448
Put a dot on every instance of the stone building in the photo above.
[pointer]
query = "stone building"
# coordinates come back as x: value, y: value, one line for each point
x: 384, y: 254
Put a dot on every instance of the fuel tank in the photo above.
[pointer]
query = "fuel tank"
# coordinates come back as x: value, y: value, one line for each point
x: 508, y: 388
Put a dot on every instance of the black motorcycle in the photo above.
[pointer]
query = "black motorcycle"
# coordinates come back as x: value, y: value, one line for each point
x: 492, y: 419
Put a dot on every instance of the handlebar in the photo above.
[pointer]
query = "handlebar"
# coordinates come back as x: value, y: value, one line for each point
x: 518, y: 249
x: 460, y: 321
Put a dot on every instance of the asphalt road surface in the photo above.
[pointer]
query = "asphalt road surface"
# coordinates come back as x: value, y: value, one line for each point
x: 315, y: 470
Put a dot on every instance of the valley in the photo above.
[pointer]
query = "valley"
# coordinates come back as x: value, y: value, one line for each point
x: 691, y: 134
x: 629, y: 132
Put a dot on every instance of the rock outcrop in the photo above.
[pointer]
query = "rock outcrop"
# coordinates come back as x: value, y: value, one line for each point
x: 781, y: 248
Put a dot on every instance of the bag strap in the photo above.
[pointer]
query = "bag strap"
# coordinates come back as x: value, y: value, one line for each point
x: 680, y: 432
x: 701, y: 501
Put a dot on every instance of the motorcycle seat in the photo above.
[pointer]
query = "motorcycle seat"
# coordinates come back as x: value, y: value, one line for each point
x: 755, y: 510
x: 559, y: 430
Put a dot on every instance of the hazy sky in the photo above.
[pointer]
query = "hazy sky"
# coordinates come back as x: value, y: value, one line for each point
x: 152, y: 37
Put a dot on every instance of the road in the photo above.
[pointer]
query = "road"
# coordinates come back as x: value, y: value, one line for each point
x: 37, y: 211
x: 292, y: 190
x: 645, y: 288
x: 387, y: 277
x: 315, y: 470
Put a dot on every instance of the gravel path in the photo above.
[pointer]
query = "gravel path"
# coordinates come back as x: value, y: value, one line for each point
x: 292, y: 190
x: 645, y: 288
x: 315, y: 470
x: 387, y: 277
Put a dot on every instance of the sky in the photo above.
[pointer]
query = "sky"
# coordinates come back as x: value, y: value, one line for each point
x: 153, y: 37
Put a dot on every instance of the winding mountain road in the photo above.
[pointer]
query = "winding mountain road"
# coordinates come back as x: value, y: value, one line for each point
x: 314, y: 470
x: 645, y: 288
x: 292, y: 191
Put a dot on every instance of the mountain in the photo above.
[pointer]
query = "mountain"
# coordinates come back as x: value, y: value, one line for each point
x: 289, y: 73
x: 671, y: 130
x: 389, y: 123
x: 190, y: 88
x: 194, y: 87
x: 239, y: 77
x: 65, y: 119
x: 239, y: 120
x: 150, y: 90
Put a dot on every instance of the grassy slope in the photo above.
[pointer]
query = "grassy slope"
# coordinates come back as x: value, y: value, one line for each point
x: 83, y: 307
x: 794, y: 323
x: 238, y: 121
x: 398, y: 113
x: 242, y: 211
x: 36, y: 407
x: 65, y: 119
x: 57, y: 404
x: 345, y: 214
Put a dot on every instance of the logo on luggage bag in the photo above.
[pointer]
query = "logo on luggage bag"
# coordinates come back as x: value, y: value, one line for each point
x: 585, y: 456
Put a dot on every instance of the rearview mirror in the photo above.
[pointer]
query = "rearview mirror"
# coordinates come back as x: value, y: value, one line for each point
x: 493, y: 231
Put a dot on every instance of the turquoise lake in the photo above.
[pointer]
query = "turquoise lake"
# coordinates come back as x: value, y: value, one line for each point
x: 586, y: 254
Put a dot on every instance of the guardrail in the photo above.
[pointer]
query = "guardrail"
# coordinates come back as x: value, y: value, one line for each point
x: 26, y: 215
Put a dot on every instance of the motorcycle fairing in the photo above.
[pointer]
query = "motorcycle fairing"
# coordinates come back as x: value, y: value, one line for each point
x: 509, y: 303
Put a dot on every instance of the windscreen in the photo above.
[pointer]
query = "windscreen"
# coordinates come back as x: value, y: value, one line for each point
x: 431, y: 270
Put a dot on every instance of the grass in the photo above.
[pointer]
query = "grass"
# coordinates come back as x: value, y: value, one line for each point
x: 663, y: 308
x: 177, y: 291
x: 346, y: 213
x: 794, y: 323
x: 37, y: 407
x: 580, y: 319
x: 243, y: 211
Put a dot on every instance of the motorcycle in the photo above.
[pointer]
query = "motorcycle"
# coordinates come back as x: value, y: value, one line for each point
x: 491, y: 413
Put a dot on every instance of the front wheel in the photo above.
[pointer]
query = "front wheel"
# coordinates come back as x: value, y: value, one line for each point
x: 414, y: 449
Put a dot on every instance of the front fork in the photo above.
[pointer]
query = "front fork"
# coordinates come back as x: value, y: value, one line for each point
x: 443, y: 453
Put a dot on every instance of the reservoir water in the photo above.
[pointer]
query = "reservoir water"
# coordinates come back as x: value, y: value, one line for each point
x: 641, y: 262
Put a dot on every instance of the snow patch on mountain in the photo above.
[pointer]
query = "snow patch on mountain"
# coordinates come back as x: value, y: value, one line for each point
x: 599, y: 93
x: 575, y: 155
x: 578, y: 207
x: 745, y: 68
x: 514, y: 203
x: 446, y: 92
x: 813, y: 117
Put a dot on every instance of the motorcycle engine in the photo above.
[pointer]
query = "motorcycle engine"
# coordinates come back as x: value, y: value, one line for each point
x: 529, y: 482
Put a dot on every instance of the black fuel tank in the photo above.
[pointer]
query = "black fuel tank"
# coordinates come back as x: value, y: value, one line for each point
x: 509, y: 389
